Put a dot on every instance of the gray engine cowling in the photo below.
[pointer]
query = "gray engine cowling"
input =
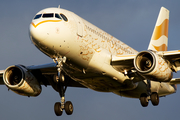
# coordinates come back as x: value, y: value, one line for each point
x: 18, y: 79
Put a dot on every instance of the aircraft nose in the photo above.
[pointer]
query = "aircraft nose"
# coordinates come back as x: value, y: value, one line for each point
x: 37, y: 32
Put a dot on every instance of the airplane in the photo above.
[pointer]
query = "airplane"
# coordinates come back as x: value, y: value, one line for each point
x: 87, y: 57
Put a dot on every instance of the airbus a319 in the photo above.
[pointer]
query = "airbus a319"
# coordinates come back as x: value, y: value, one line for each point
x: 85, y: 56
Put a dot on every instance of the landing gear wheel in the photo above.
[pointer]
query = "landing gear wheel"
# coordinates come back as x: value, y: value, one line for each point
x: 144, y: 101
x: 59, y: 78
x: 68, y: 108
x: 155, y: 98
x: 57, y: 109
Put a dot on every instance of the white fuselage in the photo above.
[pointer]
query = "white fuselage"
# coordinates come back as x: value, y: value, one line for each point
x: 89, y: 51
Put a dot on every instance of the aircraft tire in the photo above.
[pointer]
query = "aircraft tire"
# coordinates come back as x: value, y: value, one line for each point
x: 144, y: 100
x: 57, y: 109
x: 155, y: 98
x: 68, y: 107
x: 62, y: 78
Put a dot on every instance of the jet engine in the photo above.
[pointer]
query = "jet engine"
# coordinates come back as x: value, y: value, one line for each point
x: 18, y: 79
x: 152, y: 66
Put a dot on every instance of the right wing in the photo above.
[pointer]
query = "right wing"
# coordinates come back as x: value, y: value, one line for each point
x: 1, y: 77
x: 45, y: 74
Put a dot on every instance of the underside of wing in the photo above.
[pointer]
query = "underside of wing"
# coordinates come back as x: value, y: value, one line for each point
x: 173, y: 57
x: 123, y: 62
x: 43, y: 73
x: 46, y: 73
x: 175, y: 81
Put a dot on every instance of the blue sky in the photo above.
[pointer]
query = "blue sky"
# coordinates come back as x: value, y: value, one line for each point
x: 131, y: 21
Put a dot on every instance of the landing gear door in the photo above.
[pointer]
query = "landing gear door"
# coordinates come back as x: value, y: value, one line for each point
x: 79, y: 25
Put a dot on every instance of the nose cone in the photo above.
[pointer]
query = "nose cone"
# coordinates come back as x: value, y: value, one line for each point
x: 38, y: 33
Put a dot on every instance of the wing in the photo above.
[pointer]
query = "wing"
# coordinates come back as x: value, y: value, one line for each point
x: 1, y: 77
x: 44, y: 73
x: 123, y: 62
x: 173, y: 57
x: 175, y: 81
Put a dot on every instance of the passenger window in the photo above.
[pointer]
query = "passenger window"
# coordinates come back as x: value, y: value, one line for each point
x: 48, y: 15
x: 37, y: 16
x: 64, y: 17
x: 57, y: 16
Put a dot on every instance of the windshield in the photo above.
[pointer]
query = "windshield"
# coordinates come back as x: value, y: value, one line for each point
x: 57, y: 16
x: 48, y: 15
x: 51, y: 15
x: 37, y: 16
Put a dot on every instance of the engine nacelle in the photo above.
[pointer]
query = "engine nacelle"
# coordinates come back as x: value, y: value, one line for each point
x: 18, y: 79
x: 152, y: 66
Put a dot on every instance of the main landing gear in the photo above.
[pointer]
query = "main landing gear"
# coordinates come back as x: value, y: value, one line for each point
x: 153, y: 96
x: 62, y: 86
x: 60, y: 106
x: 144, y: 99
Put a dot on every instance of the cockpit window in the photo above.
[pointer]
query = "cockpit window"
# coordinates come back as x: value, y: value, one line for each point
x: 57, y: 16
x: 64, y: 17
x: 52, y: 15
x: 37, y: 16
x: 48, y: 15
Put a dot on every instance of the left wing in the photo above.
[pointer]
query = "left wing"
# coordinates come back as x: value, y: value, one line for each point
x: 173, y: 57
x: 123, y: 62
